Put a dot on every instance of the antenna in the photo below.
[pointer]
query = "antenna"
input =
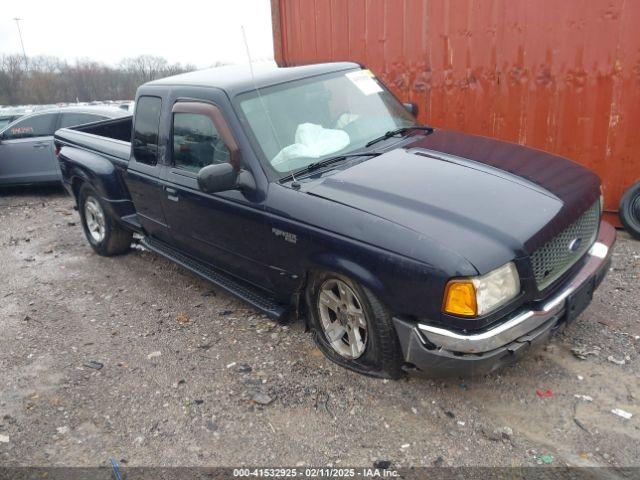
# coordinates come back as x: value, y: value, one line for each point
x: 264, y: 107
x: 24, y: 54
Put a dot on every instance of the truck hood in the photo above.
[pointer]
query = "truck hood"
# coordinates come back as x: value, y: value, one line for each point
x: 490, y: 201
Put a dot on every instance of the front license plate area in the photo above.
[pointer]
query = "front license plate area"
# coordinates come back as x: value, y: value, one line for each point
x: 580, y: 299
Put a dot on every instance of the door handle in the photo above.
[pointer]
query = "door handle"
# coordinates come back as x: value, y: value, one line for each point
x: 172, y: 194
x: 40, y: 145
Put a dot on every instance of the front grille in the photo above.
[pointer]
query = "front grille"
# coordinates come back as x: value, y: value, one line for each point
x: 555, y: 257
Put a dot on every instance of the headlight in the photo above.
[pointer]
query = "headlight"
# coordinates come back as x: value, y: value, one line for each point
x: 470, y: 297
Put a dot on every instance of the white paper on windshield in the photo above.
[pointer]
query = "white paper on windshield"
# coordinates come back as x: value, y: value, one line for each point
x: 363, y: 79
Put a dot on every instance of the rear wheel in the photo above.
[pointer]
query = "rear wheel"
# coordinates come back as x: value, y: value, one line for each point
x: 352, y: 327
x: 104, y: 234
x: 630, y: 210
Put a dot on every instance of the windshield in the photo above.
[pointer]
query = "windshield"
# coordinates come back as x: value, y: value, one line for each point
x: 306, y: 121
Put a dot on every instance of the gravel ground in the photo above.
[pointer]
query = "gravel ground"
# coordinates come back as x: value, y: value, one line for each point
x: 191, y: 376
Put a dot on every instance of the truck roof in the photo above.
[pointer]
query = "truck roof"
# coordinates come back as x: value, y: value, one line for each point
x: 237, y: 78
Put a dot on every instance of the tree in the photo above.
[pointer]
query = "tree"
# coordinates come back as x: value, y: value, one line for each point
x: 53, y: 80
x: 12, y: 74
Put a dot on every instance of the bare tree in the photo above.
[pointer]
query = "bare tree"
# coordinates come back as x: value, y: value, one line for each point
x: 43, y: 80
x: 52, y: 80
x: 12, y: 75
x: 145, y: 67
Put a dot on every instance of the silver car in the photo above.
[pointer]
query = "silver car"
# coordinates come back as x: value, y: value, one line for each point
x: 26, y: 146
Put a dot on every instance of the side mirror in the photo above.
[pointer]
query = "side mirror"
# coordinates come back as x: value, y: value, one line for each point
x: 217, y: 178
x: 221, y: 177
x: 412, y: 108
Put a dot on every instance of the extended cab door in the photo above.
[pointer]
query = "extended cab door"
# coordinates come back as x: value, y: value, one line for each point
x: 143, y: 171
x: 223, y: 229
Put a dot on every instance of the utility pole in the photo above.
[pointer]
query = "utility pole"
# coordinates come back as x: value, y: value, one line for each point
x: 24, y: 54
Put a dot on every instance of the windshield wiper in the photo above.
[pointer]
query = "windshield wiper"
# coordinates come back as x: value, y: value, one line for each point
x: 338, y: 158
x: 328, y: 161
x: 399, y: 131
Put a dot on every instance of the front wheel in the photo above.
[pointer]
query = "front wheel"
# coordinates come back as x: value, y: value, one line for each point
x: 352, y: 327
x: 104, y: 234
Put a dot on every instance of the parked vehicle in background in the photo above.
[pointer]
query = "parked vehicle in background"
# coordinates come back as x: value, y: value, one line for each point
x: 26, y: 145
x: 127, y: 106
x: 6, y: 119
x: 312, y: 190
x: 11, y: 114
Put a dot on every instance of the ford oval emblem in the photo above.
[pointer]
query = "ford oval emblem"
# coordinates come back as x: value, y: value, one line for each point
x: 574, y: 245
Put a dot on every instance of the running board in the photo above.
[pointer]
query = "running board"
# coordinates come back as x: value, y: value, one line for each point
x: 133, y: 222
x: 259, y: 300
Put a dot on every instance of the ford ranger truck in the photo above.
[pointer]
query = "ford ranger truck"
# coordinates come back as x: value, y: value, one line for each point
x: 312, y: 192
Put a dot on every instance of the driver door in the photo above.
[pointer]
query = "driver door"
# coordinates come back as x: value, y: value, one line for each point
x: 222, y: 229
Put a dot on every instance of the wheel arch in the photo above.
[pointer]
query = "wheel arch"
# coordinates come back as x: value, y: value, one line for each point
x: 102, y: 175
x: 96, y: 169
x: 346, y: 266
x: 76, y: 185
x: 339, y: 264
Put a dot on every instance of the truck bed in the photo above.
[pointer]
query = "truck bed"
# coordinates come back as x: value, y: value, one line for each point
x: 108, y: 137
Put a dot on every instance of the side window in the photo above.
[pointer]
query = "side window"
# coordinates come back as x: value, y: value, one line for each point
x: 196, y: 142
x: 36, y: 126
x: 73, y: 119
x: 145, y: 130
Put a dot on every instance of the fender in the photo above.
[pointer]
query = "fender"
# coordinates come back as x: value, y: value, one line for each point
x: 341, y: 264
x: 85, y: 166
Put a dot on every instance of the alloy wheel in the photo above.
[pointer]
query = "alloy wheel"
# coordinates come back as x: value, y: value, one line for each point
x: 342, y: 318
x: 95, y: 219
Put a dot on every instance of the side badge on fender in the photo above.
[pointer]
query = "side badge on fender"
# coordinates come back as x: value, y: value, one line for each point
x: 289, y: 237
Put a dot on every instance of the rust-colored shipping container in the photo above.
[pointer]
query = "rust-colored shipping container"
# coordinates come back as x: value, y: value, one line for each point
x: 562, y: 76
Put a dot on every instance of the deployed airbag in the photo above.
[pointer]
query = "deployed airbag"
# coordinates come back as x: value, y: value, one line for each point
x: 312, y: 141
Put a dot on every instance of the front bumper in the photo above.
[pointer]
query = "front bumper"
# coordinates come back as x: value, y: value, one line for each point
x: 437, y: 351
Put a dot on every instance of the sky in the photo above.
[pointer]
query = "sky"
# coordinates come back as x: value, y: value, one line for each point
x: 199, y: 32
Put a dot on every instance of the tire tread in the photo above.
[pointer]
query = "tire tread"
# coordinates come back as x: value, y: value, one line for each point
x: 627, y: 218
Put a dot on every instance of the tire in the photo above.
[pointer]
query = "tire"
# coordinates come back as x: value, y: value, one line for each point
x: 630, y: 210
x: 103, y: 233
x: 377, y: 353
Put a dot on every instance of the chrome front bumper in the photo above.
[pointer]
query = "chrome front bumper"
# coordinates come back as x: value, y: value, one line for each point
x: 527, y: 320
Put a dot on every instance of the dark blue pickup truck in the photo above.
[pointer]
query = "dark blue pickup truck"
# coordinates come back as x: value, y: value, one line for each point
x: 312, y: 192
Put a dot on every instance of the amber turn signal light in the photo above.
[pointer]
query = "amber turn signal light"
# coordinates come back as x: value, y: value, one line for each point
x: 460, y: 298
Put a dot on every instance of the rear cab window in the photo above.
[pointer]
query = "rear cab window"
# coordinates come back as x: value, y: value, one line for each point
x: 146, y: 130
